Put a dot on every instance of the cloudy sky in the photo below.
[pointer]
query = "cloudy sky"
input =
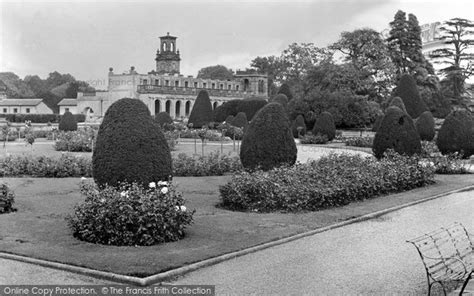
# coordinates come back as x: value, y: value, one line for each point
x: 85, y: 39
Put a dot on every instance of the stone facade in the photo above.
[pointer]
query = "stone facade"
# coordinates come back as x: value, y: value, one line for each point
x: 164, y: 89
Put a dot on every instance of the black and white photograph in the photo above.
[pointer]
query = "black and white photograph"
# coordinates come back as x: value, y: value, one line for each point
x: 265, y: 147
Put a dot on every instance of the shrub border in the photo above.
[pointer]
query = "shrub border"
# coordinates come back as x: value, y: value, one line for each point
x: 168, y: 275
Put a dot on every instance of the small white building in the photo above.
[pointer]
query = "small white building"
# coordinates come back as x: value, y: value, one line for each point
x: 68, y: 104
x: 24, y: 106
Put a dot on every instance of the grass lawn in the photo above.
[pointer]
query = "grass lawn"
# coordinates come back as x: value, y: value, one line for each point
x: 38, y: 228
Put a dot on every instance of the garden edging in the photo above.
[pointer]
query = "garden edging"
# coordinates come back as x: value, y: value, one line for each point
x: 161, y: 277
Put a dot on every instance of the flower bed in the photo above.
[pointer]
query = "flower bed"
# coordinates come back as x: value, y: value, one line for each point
x: 214, y: 164
x: 314, y: 139
x: 130, y: 215
x: 75, y: 141
x: 359, y: 141
x: 334, y: 180
x: 7, y: 199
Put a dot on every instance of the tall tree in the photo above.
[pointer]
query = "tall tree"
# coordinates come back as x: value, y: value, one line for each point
x: 271, y: 66
x: 216, y: 72
x: 414, y: 54
x: 458, y: 36
x: 398, y: 41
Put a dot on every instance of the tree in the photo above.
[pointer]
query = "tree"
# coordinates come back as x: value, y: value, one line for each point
x: 130, y: 147
x: 397, y: 131
x: 67, y: 122
x: 458, y: 36
x: 250, y: 106
x: 202, y: 113
x: 163, y: 118
x: 325, y: 126
x: 425, y: 125
x: 268, y: 142
x: 408, y: 91
x: 414, y: 55
x: 286, y: 90
x: 216, y: 72
x: 457, y: 134
x: 226, y: 109
x: 272, y: 66
x: 241, y: 121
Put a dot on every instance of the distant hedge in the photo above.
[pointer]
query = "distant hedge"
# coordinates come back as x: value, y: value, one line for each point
x: 40, y: 118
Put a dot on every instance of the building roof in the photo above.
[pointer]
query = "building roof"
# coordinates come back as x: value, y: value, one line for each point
x: 20, y: 102
x: 68, y: 102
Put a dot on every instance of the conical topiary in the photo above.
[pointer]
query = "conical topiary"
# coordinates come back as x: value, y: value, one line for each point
x: 377, y: 122
x: 226, y: 109
x: 324, y: 125
x: 241, y: 121
x: 130, y: 147
x: 408, y: 91
x: 285, y: 89
x: 268, y: 142
x: 202, y: 113
x: 398, y: 102
x: 229, y: 119
x: 425, y: 125
x: 457, y: 134
x: 68, y: 122
x: 250, y: 106
x: 163, y: 118
x: 397, y: 131
x: 281, y: 99
x: 298, y: 122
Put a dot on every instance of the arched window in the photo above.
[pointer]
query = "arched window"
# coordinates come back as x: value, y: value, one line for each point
x: 177, y: 111
x: 246, y: 84
x: 168, y: 107
x: 187, y: 108
x: 157, y: 106
x: 164, y: 46
x: 172, y: 46
x: 214, y: 106
x: 185, y: 84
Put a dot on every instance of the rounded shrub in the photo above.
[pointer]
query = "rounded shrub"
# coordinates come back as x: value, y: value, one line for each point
x: 241, y: 121
x: 281, y: 99
x: 425, y: 125
x: 398, y: 102
x: 324, y: 125
x: 202, y: 113
x: 408, y: 91
x: 225, y: 110
x: 130, y: 147
x: 229, y: 119
x: 285, y: 89
x: 377, y: 122
x: 298, y: 123
x: 397, y: 131
x: 457, y: 134
x: 163, y: 118
x: 268, y: 142
x: 250, y: 106
x: 68, y: 122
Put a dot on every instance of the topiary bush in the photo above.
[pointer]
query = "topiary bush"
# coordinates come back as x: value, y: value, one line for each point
x: 130, y: 147
x: 281, y: 99
x: 425, y: 125
x: 202, y: 113
x: 241, y: 121
x: 408, y: 91
x: 229, y: 119
x: 378, y: 122
x: 163, y: 118
x: 324, y: 125
x: 397, y: 131
x: 68, y: 122
x: 7, y: 199
x: 398, y: 102
x: 285, y: 89
x: 298, y: 122
x: 225, y: 110
x: 250, y: 106
x: 457, y: 134
x: 268, y: 142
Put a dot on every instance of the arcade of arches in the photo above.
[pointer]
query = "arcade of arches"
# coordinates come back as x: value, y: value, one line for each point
x: 177, y: 108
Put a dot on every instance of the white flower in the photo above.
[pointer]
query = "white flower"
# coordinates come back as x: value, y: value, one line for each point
x: 152, y: 185
x: 83, y: 178
x: 163, y: 183
x: 183, y: 209
x: 177, y: 208
x: 102, y: 200
x: 123, y: 193
x: 164, y: 190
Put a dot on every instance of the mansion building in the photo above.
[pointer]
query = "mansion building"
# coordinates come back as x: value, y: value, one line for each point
x: 165, y: 89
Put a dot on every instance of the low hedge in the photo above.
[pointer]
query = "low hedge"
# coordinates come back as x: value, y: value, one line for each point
x: 214, y: 164
x: 335, y: 180
x: 359, y: 141
x: 40, y: 118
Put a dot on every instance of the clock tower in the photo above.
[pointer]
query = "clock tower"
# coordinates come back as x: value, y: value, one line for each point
x: 167, y: 56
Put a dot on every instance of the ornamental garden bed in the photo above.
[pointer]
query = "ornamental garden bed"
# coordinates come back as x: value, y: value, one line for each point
x: 39, y: 230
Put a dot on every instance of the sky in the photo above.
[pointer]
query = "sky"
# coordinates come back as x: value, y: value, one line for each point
x: 85, y: 39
